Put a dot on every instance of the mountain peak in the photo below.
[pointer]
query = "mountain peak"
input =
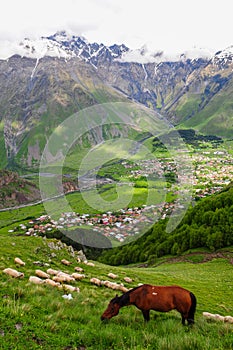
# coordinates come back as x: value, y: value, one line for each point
x: 224, y: 57
x: 66, y: 45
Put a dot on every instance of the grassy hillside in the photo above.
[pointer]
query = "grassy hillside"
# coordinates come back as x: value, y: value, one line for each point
x: 216, y: 117
x: 38, y: 317
x: 31, y: 109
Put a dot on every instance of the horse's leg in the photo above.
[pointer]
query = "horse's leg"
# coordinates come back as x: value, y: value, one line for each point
x: 183, y: 319
x: 190, y: 321
x: 146, y: 315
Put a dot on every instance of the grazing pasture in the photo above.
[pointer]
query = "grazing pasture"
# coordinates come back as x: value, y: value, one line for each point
x: 36, y: 316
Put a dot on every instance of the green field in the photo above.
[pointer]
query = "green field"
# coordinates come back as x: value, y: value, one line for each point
x: 37, y: 317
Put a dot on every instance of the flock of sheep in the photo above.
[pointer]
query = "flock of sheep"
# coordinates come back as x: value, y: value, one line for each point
x: 59, y: 279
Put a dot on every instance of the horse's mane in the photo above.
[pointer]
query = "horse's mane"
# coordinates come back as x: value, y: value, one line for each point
x: 124, y: 299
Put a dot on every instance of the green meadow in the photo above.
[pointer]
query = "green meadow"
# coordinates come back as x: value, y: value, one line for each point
x: 38, y: 317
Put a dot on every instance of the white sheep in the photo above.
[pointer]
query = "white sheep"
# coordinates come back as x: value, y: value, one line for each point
x: 114, y: 286
x: 128, y: 279
x: 89, y: 263
x: 228, y: 319
x: 111, y: 285
x: 112, y: 275
x: 13, y: 273
x: 78, y: 276
x: 63, y: 277
x: 106, y: 283
x: 96, y: 281
x: 123, y: 288
x: 218, y: 317
x: 52, y: 272
x: 207, y: 314
x: 52, y: 283
x: 42, y: 274
x: 68, y: 288
x: 36, y: 280
x: 20, y: 262
x: 66, y: 262
x: 78, y: 269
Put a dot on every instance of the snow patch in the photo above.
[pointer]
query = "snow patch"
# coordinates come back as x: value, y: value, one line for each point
x: 146, y: 75
x: 34, y: 69
x: 34, y: 49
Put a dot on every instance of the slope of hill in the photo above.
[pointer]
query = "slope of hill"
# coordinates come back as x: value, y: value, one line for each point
x: 38, y: 316
x: 37, y: 97
x: 15, y: 190
x: 208, y: 225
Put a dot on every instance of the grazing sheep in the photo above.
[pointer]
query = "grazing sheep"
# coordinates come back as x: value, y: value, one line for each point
x: 218, y: 317
x: 128, y: 279
x: 90, y: 264
x: 68, y: 288
x: 13, y: 273
x: 63, y: 277
x: 52, y: 283
x: 42, y: 274
x: 114, y: 286
x: 207, y: 314
x: 106, y: 283
x: 112, y: 275
x: 20, y: 262
x: 59, y: 279
x: 61, y: 273
x: 78, y: 269
x: 52, y: 272
x: 66, y: 262
x: 96, y: 281
x: 123, y: 289
x: 228, y: 319
x: 78, y: 276
x: 36, y: 280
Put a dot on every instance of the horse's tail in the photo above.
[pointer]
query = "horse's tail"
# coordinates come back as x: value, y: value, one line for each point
x: 192, y: 308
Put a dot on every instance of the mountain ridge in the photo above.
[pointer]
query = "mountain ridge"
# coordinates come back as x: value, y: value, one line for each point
x: 64, y: 45
x: 39, y: 92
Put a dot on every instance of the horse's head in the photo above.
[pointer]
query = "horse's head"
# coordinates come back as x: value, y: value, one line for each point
x: 112, y: 309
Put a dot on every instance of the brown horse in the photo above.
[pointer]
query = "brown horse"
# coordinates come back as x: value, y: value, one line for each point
x: 158, y: 298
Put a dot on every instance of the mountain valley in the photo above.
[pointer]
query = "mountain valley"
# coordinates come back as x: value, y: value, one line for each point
x: 47, y: 81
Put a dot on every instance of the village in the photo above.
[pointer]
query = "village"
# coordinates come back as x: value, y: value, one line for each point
x: 116, y: 226
x: 211, y: 172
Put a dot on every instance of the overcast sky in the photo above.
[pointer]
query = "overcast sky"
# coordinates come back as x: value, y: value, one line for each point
x: 170, y: 25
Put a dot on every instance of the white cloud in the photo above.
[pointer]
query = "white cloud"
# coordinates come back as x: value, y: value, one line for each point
x: 169, y: 25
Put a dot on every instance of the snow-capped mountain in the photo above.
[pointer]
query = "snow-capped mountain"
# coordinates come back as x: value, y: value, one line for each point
x: 36, y: 48
x: 90, y: 52
x: 64, y: 45
x: 224, y: 57
x: 45, y: 80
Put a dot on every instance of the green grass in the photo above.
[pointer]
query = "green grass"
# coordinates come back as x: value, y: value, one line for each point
x: 37, y: 317
x: 215, y: 118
